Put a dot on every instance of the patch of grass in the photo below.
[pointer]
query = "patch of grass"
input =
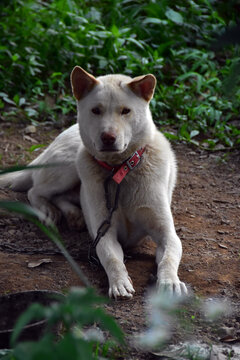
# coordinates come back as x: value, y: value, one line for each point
x: 41, y: 41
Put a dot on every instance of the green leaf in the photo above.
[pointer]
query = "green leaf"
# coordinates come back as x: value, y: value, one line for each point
x: 56, y: 74
x: 170, y: 136
x: 22, y: 101
x: 194, y: 133
x: 6, y: 354
x: 184, y: 132
x: 87, y: 296
x: 31, y: 112
x: 27, y: 167
x: 9, y: 101
x: 174, y: 16
x: 156, y: 21
x: 36, y: 147
x: 20, y: 208
x: 192, y: 74
x: 136, y: 42
x: 16, y: 99
x: 36, y: 350
x: 71, y: 348
x: 15, y: 57
x: 115, y: 31
x: 109, y: 324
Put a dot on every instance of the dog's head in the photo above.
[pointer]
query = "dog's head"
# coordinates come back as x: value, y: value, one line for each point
x: 113, y: 113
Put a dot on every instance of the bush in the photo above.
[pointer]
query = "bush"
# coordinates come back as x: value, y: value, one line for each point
x: 41, y: 41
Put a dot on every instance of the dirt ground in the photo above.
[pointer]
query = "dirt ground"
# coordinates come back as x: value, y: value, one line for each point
x: 206, y: 208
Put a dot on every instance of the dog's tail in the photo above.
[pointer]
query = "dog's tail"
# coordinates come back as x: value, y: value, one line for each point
x: 17, y: 180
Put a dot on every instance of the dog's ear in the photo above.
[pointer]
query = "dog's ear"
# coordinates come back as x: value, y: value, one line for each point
x: 82, y: 82
x: 143, y: 86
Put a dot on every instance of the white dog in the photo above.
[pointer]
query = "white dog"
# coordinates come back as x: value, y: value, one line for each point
x: 127, y: 172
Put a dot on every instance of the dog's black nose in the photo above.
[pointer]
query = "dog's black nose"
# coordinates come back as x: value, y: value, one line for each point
x: 108, y: 138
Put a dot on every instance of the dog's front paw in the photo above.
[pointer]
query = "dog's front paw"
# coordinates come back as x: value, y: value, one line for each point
x: 121, y: 288
x: 172, y: 287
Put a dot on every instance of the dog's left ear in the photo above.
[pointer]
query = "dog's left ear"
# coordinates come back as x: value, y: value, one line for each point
x: 143, y: 86
x: 82, y: 82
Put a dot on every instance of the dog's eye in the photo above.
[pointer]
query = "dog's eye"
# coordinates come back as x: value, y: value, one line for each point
x: 125, y: 111
x: 96, y: 111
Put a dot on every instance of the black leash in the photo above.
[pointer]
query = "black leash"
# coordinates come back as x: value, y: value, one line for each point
x: 117, y: 175
x: 105, y: 225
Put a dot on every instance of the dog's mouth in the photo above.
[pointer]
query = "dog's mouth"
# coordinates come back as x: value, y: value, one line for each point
x: 113, y: 149
x: 105, y: 149
x: 110, y: 149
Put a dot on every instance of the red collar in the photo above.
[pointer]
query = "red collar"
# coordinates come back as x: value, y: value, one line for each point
x: 120, y: 171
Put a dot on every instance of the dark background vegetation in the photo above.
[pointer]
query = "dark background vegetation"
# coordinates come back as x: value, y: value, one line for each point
x: 197, y: 97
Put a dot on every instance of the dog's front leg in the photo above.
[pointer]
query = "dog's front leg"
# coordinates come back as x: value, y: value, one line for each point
x: 168, y: 256
x: 111, y: 256
x: 160, y: 227
x: 108, y: 249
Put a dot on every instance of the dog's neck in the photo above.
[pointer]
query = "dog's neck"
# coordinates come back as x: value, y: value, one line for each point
x: 120, y: 171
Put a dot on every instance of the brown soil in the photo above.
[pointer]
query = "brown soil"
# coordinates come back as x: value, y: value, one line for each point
x: 206, y: 208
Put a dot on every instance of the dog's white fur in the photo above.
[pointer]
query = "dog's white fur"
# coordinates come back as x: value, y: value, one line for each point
x: 146, y: 192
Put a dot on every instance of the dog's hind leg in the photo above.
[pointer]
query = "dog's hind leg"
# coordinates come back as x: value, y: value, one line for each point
x: 47, y: 184
x: 39, y: 200
x: 69, y: 204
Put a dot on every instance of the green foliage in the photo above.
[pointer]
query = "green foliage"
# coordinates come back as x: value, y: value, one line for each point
x: 42, y: 41
x: 76, y: 312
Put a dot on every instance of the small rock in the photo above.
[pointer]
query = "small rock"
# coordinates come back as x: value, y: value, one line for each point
x: 216, y: 353
x: 209, y: 239
x: 11, y: 231
x: 29, y: 138
x: 219, y: 147
x: 222, y: 246
x: 30, y: 129
x: 37, y: 263
x: 224, y: 331
x: 225, y: 222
